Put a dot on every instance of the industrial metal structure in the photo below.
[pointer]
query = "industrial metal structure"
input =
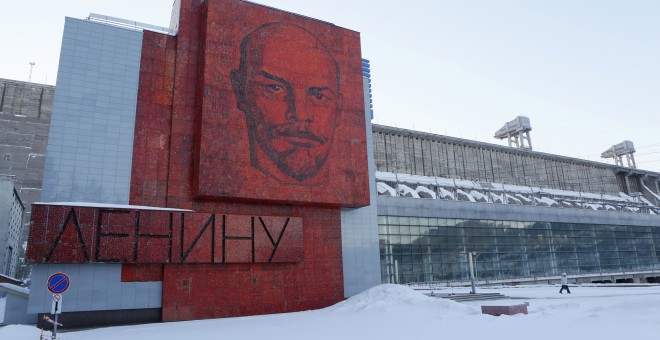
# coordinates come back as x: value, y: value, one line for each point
x: 516, y: 132
x: 618, y: 151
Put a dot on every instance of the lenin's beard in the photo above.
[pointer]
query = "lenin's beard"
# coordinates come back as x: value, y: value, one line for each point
x: 303, y: 158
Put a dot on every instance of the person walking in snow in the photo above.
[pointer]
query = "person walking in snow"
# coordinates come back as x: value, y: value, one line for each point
x: 564, y: 284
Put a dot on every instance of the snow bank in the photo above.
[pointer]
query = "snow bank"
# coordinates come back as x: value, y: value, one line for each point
x: 381, y: 297
x: 391, y: 297
x: 384, y: 188
x: 19, y: 332
x: 389, y: 312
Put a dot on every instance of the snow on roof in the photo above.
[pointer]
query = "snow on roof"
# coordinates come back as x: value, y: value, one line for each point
x: 466, y: 195
x: 109, y: 206
x: 384, y: 188
x: 593, y: 206
x: 478, y: 196
x: 424, y: 192
x: 523, y: 198
x: 511, y: 198
x: 426, y: 180
x: 445, y: 193
x: 9, y: 277
x: 407, y: 191
x: 510, y: 188
x: 496, y: 197
x: 14, y: 288
x: 550, y: 202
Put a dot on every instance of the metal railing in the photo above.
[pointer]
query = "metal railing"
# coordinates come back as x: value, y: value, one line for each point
x: 135, y: 25
x: 398, y: 185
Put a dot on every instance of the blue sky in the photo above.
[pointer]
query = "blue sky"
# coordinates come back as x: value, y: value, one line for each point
x: 586, y: 72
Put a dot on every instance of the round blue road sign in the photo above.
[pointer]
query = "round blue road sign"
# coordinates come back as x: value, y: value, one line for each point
x: 58, y: 283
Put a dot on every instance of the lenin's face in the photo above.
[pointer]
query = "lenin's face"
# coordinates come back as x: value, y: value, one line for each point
x: 288, y: 87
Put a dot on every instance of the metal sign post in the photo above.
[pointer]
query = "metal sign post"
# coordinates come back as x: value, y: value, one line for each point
x: 56, y: 310
x: 58, y: 283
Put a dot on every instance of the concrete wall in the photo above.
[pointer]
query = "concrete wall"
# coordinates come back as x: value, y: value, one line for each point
x: 419, y: 153
x: 15, y: 307
x: 26, y: 99
x: 25, y: 111
x: 93, y: 287
x: 24, y: 120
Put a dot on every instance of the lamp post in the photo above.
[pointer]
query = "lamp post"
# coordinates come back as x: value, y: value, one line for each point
x: 472, y: 255
x: 32, y: 63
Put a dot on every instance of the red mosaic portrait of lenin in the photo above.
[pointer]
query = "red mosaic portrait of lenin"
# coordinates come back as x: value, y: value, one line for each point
x: 281, y: 114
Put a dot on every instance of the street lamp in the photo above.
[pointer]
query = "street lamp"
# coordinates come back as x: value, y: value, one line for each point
x: 32, y: 63
x: 472, y: 256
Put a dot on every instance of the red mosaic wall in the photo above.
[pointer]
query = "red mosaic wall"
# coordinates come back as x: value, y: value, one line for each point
x: 211, y: 291
x: 153, y: 123
x: 164, y: 176
x: 278, y: 93
x: 66, y: 234
x: 141, y: 272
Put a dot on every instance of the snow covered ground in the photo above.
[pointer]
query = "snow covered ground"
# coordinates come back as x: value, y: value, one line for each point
x: 398, y: 312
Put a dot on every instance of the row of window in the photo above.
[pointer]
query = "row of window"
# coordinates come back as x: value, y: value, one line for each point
x: 637, y: 232
x: 510, y: 249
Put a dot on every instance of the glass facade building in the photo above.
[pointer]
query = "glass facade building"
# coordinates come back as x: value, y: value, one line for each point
x: 423, y: 249
x: 89, y: 155
x: 91, y: 132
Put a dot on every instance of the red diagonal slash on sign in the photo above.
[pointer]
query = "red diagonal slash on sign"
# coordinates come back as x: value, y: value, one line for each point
x: 58, y: 282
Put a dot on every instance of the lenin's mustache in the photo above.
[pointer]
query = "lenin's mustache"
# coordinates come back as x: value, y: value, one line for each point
x: 295, y: 132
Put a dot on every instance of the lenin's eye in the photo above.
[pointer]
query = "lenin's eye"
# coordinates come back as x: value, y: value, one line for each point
x: 272, y: 87
x: 319, y: 93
